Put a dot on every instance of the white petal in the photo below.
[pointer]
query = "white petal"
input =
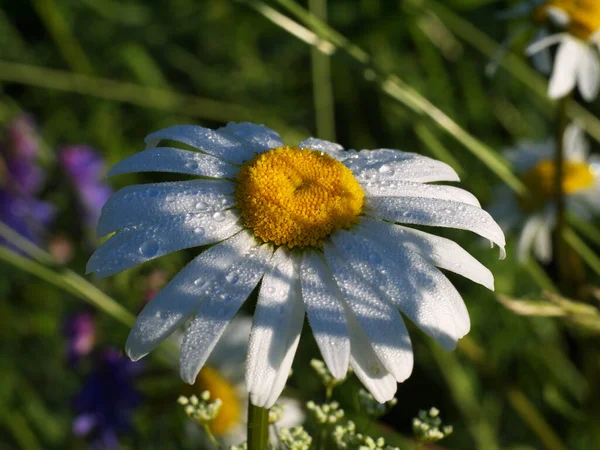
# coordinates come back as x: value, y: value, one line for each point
x: 142, y: 203
x: 411, y: 284
x: 134, y: 246
x: 544, y: 43
x: 224, y: 296
x: 565, y: 67
x: 257, y: 138
x: 441, y: 252
x: 367, y: 366
x: 380, y: 321
x: 588, y: 73
x: 166, y: 159
x: 224, y: 146
x: 576, y: 145
x: 380, y: 187
x: 440, y: 213
x: 527, y: 237
x: 394, y: 165
x: 180, y: 299
x: 542, y: 60
x: 331, y: 148
x: 543, y: 244
x: 276, y: 330
x: 325, y: 310
x: 558, y: 16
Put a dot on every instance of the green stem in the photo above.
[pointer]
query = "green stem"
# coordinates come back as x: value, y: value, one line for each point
x: 211, y: 436
x: 559, y: 195
x: 258, y: 427
x: 321, y: 76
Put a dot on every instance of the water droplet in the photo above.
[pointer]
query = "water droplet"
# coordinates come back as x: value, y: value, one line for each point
x: 198, y: 282
x: 170, y: 198
x: 271, y: 290
x: 192, y: 165
x: 199, y: 231
x: 149, y: 248
x: 153, y: 192
x: 386, y: 170
x: 232, y: 278
x: 202, y: 206
x: 219, y: 216
x: 375, y: 258
x: 462, y: 207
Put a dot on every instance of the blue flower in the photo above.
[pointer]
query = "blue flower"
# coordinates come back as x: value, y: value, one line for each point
x: 107, y: 400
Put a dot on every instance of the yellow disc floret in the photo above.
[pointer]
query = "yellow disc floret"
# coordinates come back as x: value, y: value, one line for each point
x: 584, y: 15
x: 230, y: 413
x: 541, y: 181
x: 297, y: 197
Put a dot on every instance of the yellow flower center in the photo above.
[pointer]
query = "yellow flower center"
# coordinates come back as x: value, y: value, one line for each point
x: 297, y: 197
x: 584, y: 15
x: 541, y: 182
x: 230, y: 413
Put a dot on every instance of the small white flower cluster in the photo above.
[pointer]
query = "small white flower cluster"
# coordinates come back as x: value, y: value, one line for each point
x: 428, y: 426
x: 294, y: 439
x: 276, y: 413
x: 371, y: 406
x: 346, y: 438
x: 202, y: 410
x: 328, y: 380
x: 328, y: 413
x: 242, y: 446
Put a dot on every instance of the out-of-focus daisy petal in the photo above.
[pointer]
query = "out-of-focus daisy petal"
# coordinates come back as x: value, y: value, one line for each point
x: 558, y: 16
x: 141, y: 203
x: 440, y: 213
x: 181, y: 297
x: 223, y: 297
x: 441, y: 252
x: 565, y: 71
x: 367, y: 366
x: 588, y: 73
x: 167, y: 159
x: 257, y: 138
x: 379, y: 320
x: 411, y: 284
x: 544, y: 43
x: 382, y: 188
x: 276, y: 329
x: 325, y: 310
x: 542, y: 245
x: 528, y: 234
x: 162, y: 236
x: 224, y: 146
x: 576, y: 146
x: 394, y: 165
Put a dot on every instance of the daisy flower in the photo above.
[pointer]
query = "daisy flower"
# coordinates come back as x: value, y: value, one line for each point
x: 316, y: 227
x: 576, y: 61
x: 535, y: 217
x: 223, y: 377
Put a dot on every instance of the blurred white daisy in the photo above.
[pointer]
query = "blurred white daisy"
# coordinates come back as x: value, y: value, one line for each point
x: 576, y: 63
x: 535, y: 217
x: 223, y: 377
x: 317, y: 225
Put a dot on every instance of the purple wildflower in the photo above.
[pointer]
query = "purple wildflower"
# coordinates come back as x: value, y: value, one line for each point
x: 80, y: 330
x: 107, y: 400
x: 23, y: 179
x: 86, y: 169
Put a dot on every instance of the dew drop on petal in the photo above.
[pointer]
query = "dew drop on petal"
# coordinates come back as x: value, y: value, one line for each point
x: 149, y: 248
x: 201, y: 206
x: 219, y: 216
x: 199, y: 231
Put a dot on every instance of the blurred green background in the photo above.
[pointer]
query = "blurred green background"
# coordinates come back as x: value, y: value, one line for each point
x: 107, y: 73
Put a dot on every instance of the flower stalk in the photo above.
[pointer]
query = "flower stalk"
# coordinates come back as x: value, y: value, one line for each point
x: 559, y: 195
x: 258, y: 427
